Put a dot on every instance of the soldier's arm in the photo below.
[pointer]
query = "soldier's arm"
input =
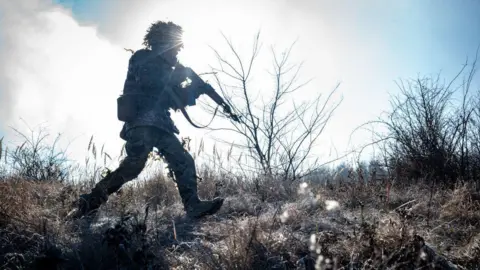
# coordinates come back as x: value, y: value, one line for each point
x: 199, y: 87
x: 189, y: 91
x: 207, y: 89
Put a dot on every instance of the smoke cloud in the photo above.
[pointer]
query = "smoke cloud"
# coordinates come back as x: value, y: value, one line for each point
x: 58, y: 74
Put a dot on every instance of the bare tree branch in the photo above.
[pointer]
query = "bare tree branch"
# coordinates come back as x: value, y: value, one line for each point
x: 278, y: 133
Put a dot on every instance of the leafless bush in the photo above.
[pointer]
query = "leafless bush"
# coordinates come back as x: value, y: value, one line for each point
x: 432, y: 129
x: 36, y: 159
x: 279, y: 129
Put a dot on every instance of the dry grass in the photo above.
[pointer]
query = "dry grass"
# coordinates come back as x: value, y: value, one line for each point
x: 143, y: 227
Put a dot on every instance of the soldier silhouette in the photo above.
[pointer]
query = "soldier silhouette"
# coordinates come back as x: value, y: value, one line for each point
x: 154, y: 85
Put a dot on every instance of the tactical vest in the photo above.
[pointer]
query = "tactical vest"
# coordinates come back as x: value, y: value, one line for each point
x: 147, y: 76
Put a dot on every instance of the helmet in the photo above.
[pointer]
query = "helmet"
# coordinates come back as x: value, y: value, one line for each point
x: 164, y: 34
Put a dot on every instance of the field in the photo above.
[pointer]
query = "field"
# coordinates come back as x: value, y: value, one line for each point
x: 264, y: 224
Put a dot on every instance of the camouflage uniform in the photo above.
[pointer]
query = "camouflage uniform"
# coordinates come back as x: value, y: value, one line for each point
x: 148, y: 74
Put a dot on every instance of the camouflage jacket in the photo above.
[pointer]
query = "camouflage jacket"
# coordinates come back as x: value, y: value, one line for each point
x: 148, y: 75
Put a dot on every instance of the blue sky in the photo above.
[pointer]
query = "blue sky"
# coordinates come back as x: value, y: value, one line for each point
x: 366, y: 45
x: 416, y: 29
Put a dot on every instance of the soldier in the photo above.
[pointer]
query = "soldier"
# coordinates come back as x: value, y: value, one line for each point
x: 155, y: 84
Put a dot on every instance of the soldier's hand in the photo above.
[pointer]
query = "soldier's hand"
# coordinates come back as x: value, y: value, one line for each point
x: 228, y: 110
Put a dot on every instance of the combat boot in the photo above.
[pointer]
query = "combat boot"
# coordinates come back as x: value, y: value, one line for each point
x: 87, y: 205
x: 197, y: 208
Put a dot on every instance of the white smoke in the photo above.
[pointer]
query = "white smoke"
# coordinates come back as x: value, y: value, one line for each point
x: 60, y: 75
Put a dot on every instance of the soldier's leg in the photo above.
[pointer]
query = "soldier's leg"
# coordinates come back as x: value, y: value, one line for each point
x: 140, y: 141
x: 183, y: 166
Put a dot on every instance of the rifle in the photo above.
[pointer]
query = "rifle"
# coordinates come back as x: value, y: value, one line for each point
x: 206, y: 89
x: 127, y: 107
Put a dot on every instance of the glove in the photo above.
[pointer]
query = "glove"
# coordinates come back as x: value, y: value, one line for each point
x: 228, y: 110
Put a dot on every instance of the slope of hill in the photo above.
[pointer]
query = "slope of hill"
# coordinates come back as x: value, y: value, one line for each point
x: 266, y: 226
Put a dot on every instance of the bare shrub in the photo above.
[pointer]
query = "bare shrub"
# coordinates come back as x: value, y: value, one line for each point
x: 431, y: 134
x: 278, y: 129
x: 37, y: 160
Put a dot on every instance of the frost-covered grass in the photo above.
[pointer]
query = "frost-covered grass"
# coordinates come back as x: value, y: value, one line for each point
x: 303, y: 226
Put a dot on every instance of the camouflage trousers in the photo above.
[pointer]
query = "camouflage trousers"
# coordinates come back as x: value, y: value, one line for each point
x: 140, y: 142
